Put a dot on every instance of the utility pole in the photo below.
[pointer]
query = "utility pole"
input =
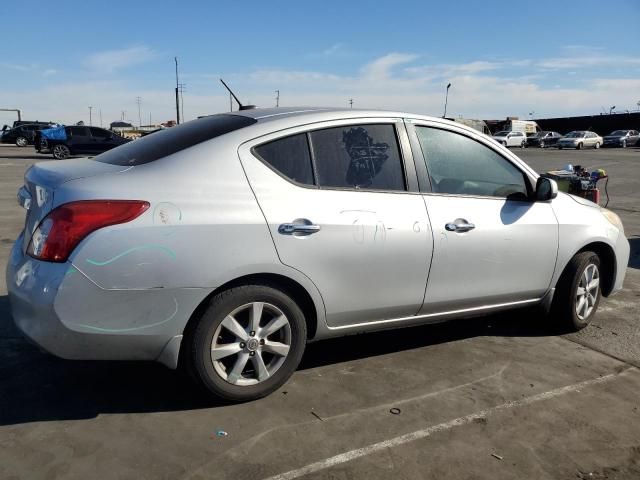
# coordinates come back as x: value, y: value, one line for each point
x: 150, y: 119
x: 181, y: 88
x: 230, y: 102
x: 446, y: 99
x: 100, y: 118
x: 277, y: 98
x: 90, y: 108
x: 351, y: 102
x: 139, y: 102
x: 177, y: 97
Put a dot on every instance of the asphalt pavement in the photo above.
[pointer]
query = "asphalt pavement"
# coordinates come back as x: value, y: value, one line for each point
x: 502, y: 396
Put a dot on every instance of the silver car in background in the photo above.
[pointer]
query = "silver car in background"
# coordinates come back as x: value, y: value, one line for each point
x: 580, y: 139
x: 225, y: 244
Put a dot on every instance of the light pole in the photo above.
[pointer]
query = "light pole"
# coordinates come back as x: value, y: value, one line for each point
x: 531, y: 114
x: 277, y: 98
x: 446, y: 99
x: 90, y: 108
x: 139, y: 102
x: 612, y: 109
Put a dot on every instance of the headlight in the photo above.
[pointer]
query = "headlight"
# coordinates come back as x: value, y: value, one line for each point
x: 613, y: 219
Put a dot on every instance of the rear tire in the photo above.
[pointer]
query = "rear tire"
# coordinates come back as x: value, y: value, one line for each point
x: 237, y: 359
x: 541, y: 144
x: 624, y: 144
x: 22, y: 142
x: 597, y: 145
x: 579, y: 147
x: 60, y: 152
x: 578, y: 292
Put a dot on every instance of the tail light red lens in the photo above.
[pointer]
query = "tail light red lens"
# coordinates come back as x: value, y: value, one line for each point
x: 66, y: 226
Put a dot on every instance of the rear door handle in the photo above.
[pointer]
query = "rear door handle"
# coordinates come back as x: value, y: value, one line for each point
x: 298, y: 229
x: 459, y: 225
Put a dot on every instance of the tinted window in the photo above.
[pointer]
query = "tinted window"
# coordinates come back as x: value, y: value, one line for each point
x: 78, y: 131
x: 99, y: 133
x: 460, y: 165
x: 289, y: 156
x: 360, y: 156
x: 172, y: 140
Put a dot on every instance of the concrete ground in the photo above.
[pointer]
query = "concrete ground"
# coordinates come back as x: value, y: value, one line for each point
x: 497, y: 397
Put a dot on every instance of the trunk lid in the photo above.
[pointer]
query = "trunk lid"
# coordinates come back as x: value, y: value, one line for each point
x: 41, y: 181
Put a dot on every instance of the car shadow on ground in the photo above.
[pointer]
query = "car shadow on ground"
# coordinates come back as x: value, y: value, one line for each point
x: 35, y: 386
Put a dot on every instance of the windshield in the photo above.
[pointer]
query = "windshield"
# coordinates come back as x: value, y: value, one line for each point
x: 502, y: 134
x: 170, y: 141
x: 575, y: 135
x: 618, y: 133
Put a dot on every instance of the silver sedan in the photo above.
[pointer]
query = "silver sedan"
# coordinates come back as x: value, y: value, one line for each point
x: 224, y: 245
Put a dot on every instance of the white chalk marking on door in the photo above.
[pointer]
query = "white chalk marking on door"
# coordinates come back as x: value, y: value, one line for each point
x: 457, y: 422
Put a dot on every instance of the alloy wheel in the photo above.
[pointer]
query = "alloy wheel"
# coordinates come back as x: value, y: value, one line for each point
x: 587, y: 291
x: 60, y: 152
x: 21, y: 142
x: 251, y: 343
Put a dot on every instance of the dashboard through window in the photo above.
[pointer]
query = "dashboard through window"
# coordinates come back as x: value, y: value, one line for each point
x: 459, y: 165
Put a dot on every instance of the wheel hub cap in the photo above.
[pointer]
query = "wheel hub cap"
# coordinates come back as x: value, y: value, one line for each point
x: 251, y: 343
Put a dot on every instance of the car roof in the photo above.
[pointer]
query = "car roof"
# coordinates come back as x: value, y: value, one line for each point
x: 313, y: 114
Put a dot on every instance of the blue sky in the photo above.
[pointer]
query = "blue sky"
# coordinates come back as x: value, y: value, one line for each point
x: 551, y: 58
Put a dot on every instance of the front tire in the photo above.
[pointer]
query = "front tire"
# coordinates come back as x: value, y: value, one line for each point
x: 578, y: 291
x: 541, y: 144
x: 579, y: 146
x: 60, y: 152
x: 624, y: 144
x: 597, y: 145
x: 247, y: 344
x: 22, y: 142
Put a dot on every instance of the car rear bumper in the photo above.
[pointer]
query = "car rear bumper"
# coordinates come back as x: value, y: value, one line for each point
x: 61, y: 310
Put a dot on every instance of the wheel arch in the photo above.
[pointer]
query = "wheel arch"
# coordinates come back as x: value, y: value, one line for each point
x: 290, y: 286
x: 608, y: 265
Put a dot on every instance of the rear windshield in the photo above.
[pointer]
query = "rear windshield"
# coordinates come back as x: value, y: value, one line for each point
x: 167, y: 142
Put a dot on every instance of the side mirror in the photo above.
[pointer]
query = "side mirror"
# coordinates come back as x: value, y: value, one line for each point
x: 546, y: 189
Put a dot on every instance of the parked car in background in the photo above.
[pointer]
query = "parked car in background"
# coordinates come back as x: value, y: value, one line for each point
x: 24, y: 134
x: 228, y: 243
x: 621, y: 138
x: 511, y: 139
x: 543, y: 139
x: 78, y: 140
x: 580, y: 139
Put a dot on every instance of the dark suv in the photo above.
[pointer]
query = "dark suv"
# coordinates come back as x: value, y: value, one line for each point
x: 78, y: 140
x: 24, y: 134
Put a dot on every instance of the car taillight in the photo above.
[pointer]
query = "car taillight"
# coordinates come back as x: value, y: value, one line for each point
x: 67, y: 225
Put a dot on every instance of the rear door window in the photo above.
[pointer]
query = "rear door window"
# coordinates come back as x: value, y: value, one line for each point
x: 99, y: 133
x: 172, y: 140
x: 78, y: 131
x: 290, y: 157
x: 358, y: 156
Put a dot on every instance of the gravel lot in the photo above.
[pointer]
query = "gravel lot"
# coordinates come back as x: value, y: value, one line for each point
x: 496, y: 397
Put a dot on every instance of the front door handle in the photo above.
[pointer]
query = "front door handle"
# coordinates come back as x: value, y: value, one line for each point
x: 298, y: 229
x: 459, y: 225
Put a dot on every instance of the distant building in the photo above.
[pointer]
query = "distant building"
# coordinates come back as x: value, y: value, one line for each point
x: 120, y: 127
